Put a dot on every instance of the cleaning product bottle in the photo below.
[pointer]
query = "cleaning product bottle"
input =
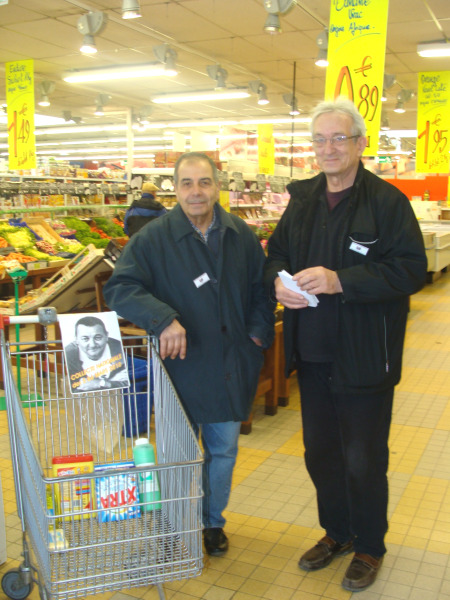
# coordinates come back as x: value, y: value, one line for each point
x: 149, y: 492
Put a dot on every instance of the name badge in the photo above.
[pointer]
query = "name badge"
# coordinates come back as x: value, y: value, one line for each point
x: 358, y: 248
x: 201, y: 280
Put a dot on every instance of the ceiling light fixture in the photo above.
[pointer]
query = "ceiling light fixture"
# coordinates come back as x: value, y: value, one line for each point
x: 384, y: 123
x: 272, y: 24
x: 89, y: 25
x: 260, y: 88
x: 275, y: 8
x: 69, y: 118
x: 219, y: 75
x: 322, y: 43
x: 437, y: 49
x: 291, y: 101
x: 403, y: 96
x: 100, y: 102
x: 131, y: 9
x: 167, y: 56
x: 113, y: 73
x: 388, y: 82
x: 45, y: 89
x: 230, y: 94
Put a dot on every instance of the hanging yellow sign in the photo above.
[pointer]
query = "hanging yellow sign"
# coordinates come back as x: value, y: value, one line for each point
x: 266, y: 149
x: 433, y: 122
x: 20, y: 101
x: 356, y: 49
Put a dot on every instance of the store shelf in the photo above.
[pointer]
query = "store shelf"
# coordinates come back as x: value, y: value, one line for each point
x: 37, y: 209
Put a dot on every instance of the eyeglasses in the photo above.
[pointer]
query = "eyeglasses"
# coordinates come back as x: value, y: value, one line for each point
x: 336, y: 140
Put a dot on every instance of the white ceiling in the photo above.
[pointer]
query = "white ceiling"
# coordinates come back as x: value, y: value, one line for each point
x: 205, y: 32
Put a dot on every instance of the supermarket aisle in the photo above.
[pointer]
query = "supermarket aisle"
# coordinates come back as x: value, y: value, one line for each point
x: 272, y: 516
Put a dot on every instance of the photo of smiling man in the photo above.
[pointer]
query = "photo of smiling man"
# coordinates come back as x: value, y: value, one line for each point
x: 94, y: 359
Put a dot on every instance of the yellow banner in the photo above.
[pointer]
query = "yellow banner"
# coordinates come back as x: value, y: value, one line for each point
x: 356, y: 49
x: 433, y: 122
x: 266, y: 149
x: 20, y: 100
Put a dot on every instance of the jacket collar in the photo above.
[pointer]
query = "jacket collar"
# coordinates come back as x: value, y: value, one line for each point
x: 183, y: 226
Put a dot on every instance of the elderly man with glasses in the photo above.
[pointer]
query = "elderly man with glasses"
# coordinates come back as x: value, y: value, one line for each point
x: 351, y: 240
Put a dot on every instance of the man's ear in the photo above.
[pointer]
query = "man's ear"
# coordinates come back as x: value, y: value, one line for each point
x: 362, y: 144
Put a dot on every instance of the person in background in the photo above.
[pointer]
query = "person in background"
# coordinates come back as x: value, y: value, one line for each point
x: 194, y: 279
x: 143, y: 210
x: 352, y: 240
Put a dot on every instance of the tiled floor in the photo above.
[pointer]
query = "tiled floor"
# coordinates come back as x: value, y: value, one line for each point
x: 272, y: 515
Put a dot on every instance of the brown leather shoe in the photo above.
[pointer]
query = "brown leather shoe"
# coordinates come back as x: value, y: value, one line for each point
x: 323, y: 553
x: 362, y: 572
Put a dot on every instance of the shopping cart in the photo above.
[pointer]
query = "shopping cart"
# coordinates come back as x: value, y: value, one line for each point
x: 71, y: 549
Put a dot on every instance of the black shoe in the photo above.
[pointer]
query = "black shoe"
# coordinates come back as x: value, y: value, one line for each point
x: 215, y: 540
x: 362, y: 572
x: 323, y: 553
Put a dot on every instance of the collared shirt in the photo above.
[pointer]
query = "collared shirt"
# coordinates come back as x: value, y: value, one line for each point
x: 211, y: 236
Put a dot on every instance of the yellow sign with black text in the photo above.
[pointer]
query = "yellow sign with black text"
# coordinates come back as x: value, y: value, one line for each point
x: 266, y: 149
x: 433, y: 122
x: 20, y: 101
x: 356, y: 49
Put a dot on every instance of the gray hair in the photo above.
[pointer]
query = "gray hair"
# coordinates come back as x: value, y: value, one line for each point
x: 344, y: 106
x: 195, y: 156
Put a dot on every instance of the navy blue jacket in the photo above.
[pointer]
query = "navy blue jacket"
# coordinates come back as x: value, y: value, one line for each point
x: 153, y: 284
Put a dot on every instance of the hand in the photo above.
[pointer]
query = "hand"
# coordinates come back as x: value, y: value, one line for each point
x: 257, y: 341
x: 318, y: 280
x: 172, y: 341
x: 288, y: 298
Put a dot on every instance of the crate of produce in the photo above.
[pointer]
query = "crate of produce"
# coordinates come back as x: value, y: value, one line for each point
x: 43, y: 230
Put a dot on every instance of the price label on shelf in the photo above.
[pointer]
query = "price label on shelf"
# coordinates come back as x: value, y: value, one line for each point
x: 433, y: 123
x: 356, y: 49
x: 20, y: 101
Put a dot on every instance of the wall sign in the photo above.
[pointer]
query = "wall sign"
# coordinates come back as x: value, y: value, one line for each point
x: 433, y: 123
x: 356, y: 49
x: 20, y: 100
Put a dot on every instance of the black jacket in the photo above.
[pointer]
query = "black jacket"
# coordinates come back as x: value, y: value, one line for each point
x: 141, y: 212
x: 374, y: 305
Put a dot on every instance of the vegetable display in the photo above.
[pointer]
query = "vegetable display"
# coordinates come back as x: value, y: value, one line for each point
x: 84, y: 234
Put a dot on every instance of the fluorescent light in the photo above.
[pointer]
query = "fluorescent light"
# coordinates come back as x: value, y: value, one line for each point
x: 202, y: 96
x: 434, y: 49
x: 112, y: 73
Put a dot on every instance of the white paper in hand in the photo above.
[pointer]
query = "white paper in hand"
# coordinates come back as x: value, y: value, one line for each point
x: 288, y: 282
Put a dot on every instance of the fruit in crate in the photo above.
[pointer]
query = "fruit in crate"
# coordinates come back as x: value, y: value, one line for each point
x: 45, y: 246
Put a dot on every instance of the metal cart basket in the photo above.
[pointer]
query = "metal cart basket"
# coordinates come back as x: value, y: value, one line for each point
x: 71, y: 549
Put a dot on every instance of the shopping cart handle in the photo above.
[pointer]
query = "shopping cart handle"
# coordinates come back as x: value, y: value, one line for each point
x: 46, y: 315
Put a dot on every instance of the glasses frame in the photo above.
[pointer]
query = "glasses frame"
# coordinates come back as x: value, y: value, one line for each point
x: 337, y: 140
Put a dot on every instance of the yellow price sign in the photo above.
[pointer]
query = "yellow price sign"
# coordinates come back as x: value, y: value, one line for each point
x: 433, y: 122
x: 20, y: 101
x: 266, y: 149
x: 356, y: 49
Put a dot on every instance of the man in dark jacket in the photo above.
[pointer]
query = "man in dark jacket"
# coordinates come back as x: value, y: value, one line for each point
x: 352, y: 240
x: 194, y: 278
x: 143, y: 210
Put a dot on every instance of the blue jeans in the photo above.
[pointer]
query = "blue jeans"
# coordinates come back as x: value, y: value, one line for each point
x: 220, y: 446
x: 346, y: 454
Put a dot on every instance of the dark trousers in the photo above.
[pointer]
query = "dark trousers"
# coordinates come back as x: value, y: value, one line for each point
x: 346, y: 454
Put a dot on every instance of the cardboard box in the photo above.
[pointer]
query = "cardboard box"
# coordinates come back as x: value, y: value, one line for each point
x: 43, y: 230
